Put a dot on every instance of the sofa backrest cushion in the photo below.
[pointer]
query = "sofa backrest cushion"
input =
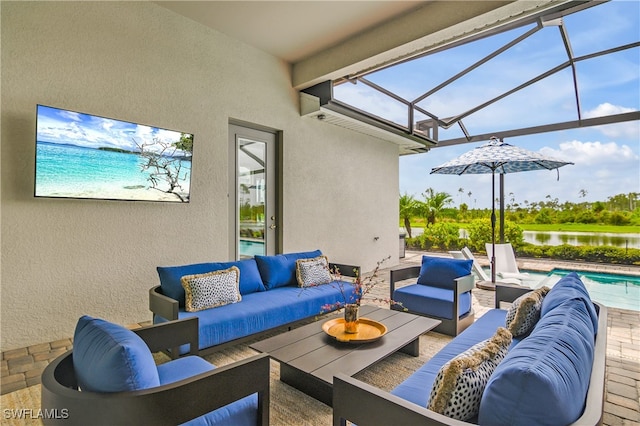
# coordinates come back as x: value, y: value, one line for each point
x: 544, y: 379
x: 570, y: 287
x: 280, y: 270
x: 170, y: 277
x: 110, y: 358
x: 442, y: 271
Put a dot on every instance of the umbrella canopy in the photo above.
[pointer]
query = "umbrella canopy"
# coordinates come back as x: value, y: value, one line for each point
x: 500, y: 157
x: 497, y: 157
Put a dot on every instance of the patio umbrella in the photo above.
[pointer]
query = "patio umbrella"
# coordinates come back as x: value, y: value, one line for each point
x: 497, y: 157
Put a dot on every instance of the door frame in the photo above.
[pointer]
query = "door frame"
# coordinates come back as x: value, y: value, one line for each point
x: 253, y: 131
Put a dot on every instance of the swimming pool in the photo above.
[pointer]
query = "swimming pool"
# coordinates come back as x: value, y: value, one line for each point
x: 250, y: 248
x: 612, y: 290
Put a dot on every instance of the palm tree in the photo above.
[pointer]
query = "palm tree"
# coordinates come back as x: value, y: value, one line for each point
x: 408, y: 210
x: 434, y: 203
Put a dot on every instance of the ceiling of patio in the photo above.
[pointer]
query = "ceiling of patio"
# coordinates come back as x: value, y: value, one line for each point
x: 348, y: 40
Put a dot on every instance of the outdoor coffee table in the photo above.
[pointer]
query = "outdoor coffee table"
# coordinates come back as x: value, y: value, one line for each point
x: 309, y: 358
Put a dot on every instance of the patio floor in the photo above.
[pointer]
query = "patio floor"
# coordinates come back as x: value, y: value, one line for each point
x: 22, y: 367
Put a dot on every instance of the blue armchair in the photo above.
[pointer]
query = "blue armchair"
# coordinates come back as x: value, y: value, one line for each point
x: 442, y: 291
x: 110, y: 377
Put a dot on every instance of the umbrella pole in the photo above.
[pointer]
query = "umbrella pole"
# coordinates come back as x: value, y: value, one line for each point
x: 493, y: 227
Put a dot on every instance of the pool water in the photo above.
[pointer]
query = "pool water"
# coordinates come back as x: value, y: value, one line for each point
x: 249, y: 248
x: 612, y: 290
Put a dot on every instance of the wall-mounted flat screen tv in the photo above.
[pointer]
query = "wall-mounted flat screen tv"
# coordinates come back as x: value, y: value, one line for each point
x: 81, y: 155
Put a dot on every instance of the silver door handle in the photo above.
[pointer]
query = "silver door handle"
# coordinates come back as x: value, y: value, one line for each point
x: 272, y: 227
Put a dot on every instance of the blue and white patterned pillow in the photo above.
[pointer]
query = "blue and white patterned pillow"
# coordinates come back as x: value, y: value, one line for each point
x: 458, y: 387
x: 212, y: 289
x: 314, y: 271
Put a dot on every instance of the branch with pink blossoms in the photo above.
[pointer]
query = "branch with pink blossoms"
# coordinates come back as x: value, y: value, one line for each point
x: 362, y: 289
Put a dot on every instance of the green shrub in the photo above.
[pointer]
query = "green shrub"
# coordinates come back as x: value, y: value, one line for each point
x: 479, y: 232
x: 441, y: 235
x: 595, y: 254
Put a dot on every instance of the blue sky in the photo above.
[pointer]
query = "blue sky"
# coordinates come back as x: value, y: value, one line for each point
x: 607, y: 158
x: 89, y: 131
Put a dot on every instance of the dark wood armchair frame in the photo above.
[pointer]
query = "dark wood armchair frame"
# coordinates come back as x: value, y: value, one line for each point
x: 377, y: 407
x: 168, y: 308
x: 452, y: 327
x: 169, y: 404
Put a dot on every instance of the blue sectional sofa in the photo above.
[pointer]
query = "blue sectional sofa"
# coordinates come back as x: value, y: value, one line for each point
x: 270, y: 294
x: 553, y: 375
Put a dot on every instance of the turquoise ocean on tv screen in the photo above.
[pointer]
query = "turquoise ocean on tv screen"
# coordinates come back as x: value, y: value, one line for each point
x: 73, y: 171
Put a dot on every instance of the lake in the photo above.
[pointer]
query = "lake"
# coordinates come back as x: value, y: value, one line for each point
x: 582, y: 239
x: 555, y: 238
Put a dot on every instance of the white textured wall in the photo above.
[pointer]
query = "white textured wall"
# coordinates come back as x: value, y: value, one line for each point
x: 140, y: 62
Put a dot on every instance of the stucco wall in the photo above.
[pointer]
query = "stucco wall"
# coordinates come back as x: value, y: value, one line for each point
x: 142, y: 63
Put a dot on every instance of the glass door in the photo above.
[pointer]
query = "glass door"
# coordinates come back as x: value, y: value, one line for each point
x: 254, y: 186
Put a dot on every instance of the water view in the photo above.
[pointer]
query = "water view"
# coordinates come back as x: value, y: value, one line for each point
x: 582, y: 239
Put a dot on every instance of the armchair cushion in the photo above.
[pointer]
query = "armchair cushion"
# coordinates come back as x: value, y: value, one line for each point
x: 459, y: 384
x: 110, y: 358
x: 217, y: 288
x: 182, y: 368
x: 441, y: 272
x: 314, y: 271
x: 280, y: 270
x: 431, y: 301
x: 524, y: 312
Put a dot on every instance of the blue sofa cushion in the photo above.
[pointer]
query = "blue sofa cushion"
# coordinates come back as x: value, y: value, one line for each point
x: 250, y: 280
x: 570, y: 287
x: 431, y: 301
x: 110, y: 358
x: 418, y: 386
x: 280, y: 270
x: 241, y: 412
x: 441, y: 271
x: 262, y: 311
x: 545, y: 378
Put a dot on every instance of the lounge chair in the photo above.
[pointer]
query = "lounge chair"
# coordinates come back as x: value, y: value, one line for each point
x: 465, y: 253
x: 506, y: 266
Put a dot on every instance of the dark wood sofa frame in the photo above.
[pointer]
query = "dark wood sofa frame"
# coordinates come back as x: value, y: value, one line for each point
x: 168, y: 308
x: 377, y: 407
x: 169, y: 404
x: 451, y: 327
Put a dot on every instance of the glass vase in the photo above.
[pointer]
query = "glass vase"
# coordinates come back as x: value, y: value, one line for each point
x: 351, y: 314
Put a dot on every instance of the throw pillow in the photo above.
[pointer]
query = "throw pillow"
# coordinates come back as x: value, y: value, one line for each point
x: 458, y: 387
x: 441, y: 271
x: 314, y: 271
x: 217, y: 288
x: 524, y: 312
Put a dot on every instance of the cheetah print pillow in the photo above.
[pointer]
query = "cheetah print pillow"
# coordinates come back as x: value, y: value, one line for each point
x: 524, y: 312
x: 314, y: 271
x: 457, y: 389
x: 212, y: 289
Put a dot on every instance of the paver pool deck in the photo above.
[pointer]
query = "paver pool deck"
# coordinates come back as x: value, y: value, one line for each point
x: 23, y: 367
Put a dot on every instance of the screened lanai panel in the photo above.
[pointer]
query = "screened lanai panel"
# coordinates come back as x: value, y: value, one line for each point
x: 564, y: 70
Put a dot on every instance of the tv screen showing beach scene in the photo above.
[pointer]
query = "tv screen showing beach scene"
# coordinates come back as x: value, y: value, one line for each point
x: 86, y: 156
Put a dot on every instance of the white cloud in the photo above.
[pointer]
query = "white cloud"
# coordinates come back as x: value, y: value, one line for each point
x: 629, y: 129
